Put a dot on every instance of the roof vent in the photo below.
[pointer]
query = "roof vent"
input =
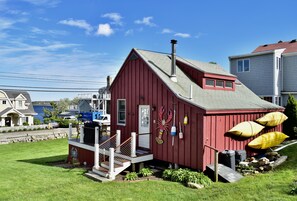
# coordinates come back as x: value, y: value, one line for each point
x: 293, y: 41
x: 280, y: 41
x: 265, y: 45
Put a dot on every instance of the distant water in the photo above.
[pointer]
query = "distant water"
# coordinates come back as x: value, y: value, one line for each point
x: 39, y: 109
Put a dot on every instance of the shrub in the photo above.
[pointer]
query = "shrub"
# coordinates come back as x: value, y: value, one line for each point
x: 131, y: 176
x: 145, y: 172
x: 167, y: 174
x: 25, y: 124
x: 186, y: 175
x: 37, y: 121
x: 290, y: 124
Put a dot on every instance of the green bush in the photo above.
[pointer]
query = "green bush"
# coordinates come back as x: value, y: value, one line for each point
x: 186, y: 175
x: 167, y: 174
x: 145, y: 172
x: 131, y: 176
x: 290, y: 124
x: 25, y: 124
x: 37, y: 121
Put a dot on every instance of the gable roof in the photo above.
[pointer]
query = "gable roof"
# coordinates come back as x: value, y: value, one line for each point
x: 240, y: 99
x: 12, y: 94
x: 289, y: 46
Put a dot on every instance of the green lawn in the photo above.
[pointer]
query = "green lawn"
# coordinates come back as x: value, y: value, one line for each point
x: 25, y: 175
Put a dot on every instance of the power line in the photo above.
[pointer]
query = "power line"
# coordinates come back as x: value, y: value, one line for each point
x: 56, y: 91
x: 55, y: 75
x: 62, y: 88
x: 51, y: 79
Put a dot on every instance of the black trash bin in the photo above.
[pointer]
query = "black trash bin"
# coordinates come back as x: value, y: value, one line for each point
x: 89, y: 132
x: 227, y: 158
x: 240, y: 155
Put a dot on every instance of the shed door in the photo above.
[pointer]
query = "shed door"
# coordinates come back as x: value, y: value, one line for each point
x: 144, y: 126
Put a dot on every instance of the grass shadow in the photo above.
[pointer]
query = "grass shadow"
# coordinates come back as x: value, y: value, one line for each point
x: 48, y: 161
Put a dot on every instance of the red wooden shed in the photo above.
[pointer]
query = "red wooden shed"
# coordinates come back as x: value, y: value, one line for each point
x: 212, y: 99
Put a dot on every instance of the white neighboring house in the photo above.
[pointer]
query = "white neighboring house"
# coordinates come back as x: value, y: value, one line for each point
x: 16, y: 108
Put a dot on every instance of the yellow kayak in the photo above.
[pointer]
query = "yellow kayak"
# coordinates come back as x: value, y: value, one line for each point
x: 268, y: 140
x: 272, y: 119
x: 246, y: 129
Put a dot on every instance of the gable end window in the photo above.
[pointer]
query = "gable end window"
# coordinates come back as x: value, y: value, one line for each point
x: 243, y: 65
x: 210, y: 82
x: 121, y: 110
x: 4, y: 102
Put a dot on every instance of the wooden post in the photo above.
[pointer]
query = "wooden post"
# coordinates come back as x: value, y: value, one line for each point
x: 133, y: 144
x: 96, y: 146
x: 111, y: 163
x: 216, y: 165
x: 118, y: 141
x: 81, y: 140
x: 70, y: 131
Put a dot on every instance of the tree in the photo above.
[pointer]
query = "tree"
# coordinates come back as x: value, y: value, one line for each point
x: 290, y: 125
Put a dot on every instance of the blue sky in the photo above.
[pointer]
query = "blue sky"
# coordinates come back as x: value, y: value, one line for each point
x: 54, y: 43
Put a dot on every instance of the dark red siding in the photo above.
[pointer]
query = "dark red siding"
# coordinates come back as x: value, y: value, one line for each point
x: 83, y: 155
x: 215, y: 127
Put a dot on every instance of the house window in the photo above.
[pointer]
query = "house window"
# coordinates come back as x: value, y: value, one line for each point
x: 219, y: 83
x: 267, y: 98
x: 210, y: 82
x: 20, y: 104
x: 243, y: 65
x: 229, y: 84
x: 4, y: 102
x: 121, y: 106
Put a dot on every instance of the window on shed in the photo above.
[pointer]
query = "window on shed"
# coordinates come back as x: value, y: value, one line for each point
x: 210, y: 82
x: 229, y: 84
x: 243, y: 65
x: 219, y: 83
x: 121, y: 106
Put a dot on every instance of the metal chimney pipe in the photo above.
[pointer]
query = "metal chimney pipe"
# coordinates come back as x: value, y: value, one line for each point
x: 173, y: 61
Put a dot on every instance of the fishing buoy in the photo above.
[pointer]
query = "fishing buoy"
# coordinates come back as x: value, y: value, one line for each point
x: 180, y: 134
x: 186, y: 120
x: 173, y: 128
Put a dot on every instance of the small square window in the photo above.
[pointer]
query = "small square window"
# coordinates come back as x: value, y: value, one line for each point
x: 4, y: 102
x: 219, y: 83
x: 210, y: 82
x: 229, y: 84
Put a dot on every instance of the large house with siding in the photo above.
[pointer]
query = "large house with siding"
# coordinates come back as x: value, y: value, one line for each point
x: 270, y: 71
x: 15, y: 108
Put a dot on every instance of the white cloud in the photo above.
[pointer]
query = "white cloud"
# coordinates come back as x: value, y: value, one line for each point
x: 19, y: 47
x: 182, y: 35
x: 166, y: 31
x: 146, y: 21
x: 6, y: 23
x: 50, y: 3
x: 115, y: 17
x: 104, y: 30
x: 36, y: 30
x: 129, y: 32
x: 82, y: 24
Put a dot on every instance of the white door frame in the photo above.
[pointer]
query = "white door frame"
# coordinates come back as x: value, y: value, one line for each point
x: 144, y: 126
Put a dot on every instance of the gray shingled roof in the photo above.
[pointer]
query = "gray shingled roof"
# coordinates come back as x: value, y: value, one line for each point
x: 12, y: 94
x: 240, y: 99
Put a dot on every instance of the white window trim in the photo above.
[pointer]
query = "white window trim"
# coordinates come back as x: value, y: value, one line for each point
x: 121, y: 124
x: 243, y: 65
